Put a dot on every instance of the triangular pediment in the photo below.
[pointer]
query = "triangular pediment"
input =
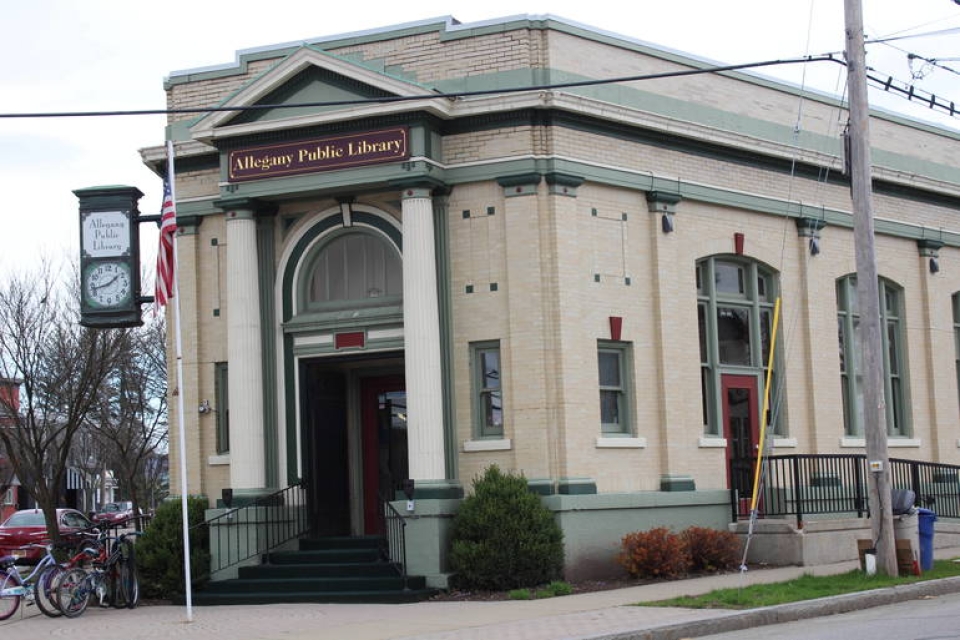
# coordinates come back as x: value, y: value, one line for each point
x: 312, y: 87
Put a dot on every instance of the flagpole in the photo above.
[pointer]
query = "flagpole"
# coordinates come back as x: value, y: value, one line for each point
x: 178, y: 341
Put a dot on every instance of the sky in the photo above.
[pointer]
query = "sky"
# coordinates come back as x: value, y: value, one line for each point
x: 113, y: 55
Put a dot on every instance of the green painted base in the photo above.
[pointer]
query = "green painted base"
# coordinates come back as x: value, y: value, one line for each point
x: 677, y: 483
x: 541, y: 486
x: 434, y: 490
x: 576, y: 486
x: 246, y: 497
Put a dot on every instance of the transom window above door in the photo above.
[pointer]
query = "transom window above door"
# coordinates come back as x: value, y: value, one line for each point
x: 356, y: 268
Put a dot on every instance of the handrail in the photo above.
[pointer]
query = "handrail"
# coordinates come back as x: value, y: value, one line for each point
x: 254, y: 529
x: 394, y: 546
x: 803, y: 484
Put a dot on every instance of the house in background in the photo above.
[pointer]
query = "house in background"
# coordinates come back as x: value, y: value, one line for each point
x: 409, y: 253
x: 9, y: 484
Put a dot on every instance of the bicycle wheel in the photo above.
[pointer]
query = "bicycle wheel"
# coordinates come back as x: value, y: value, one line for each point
x: 45, y: 590
x: 8, y: 604
x: 73, y: 592
x: 129, y: 580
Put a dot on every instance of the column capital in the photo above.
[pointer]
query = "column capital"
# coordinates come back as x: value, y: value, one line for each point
x: 254, y: 206
x: 418, y: 183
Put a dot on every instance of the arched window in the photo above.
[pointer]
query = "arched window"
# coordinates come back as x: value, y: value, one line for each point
x: 735, y: 300
x: 891, y: 332
x: 354, y: 268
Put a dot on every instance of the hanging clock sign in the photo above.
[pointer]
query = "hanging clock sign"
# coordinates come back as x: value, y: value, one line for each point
x: 109, y: 257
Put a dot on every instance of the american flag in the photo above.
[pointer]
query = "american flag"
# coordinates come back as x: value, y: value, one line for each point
x: 165, y: 267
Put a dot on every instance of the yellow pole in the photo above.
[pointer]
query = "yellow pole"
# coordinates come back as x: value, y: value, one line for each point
x: 766, y: 404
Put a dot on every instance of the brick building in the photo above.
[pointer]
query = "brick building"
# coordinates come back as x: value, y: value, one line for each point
x: 394, y: 266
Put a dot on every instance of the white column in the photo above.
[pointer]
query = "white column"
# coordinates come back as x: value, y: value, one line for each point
x: 245, y: 375
x: 421, y: 331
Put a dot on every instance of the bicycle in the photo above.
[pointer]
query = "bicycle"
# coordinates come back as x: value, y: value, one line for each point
x: 112, y: 579
x: 38, y: 586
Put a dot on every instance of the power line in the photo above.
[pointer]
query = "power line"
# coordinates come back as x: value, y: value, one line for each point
x: 826, y: 57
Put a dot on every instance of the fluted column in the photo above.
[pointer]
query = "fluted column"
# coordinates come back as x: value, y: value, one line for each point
x: 245, y: 378
x: 421, y: 329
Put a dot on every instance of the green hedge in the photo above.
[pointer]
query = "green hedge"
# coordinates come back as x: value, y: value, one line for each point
x: 160, y: 549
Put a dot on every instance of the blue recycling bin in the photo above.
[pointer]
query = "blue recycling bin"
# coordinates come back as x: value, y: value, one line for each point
x: 926, y: 518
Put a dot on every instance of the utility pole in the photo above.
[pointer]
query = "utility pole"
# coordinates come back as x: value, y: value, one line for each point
x: 868, y: 295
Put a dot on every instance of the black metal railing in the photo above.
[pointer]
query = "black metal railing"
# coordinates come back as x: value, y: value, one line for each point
x: 255, y: 528
x: 394, y: 546
x: 802, y: 485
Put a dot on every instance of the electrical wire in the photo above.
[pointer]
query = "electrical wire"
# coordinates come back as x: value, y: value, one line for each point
x: 826, y: 57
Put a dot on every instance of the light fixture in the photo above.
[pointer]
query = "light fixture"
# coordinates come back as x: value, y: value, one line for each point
x: 934, y: 265
x: 666, y: 223
x: 814, y: 246
x: 204, y: 407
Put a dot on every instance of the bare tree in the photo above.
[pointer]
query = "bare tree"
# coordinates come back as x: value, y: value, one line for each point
x: 131, y: 417
x: 61, y: 367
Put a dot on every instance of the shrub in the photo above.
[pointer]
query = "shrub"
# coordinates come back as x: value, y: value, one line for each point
x: 657, y: 553
x: 160, y: 549
x: 712, y: 549
x: 554, y: 589
x: 503, y: 537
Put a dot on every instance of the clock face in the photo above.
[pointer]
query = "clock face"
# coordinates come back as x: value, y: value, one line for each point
x: 108, y: 284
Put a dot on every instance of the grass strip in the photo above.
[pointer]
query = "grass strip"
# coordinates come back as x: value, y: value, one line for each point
x: 806, y: 587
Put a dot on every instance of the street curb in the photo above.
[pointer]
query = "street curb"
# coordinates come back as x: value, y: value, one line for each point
x: 792, y: 612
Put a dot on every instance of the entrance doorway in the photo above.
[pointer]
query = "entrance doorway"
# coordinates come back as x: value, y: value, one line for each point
x: 353, y: 415
x: 741, y: 428
x: 384, y: 416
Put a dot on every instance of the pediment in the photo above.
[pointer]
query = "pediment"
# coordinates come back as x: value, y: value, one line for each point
x: 318, y: 87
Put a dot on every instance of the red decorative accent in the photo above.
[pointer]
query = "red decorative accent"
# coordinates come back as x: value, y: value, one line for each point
x: 738, y: 243
x: 409, y: 192
x: 616, y: 325
x: 350, y: 340
x: 519, y: 189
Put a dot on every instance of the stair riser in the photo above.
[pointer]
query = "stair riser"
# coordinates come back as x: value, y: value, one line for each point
x: 323, y: 557
x: 399, y: 597
x: 306, y: 585
x: 283, y: 572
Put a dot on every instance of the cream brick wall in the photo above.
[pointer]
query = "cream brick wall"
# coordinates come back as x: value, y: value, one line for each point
x: 543, y: 253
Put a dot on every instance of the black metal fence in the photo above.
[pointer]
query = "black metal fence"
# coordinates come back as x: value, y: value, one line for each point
x: 803, y: 485
x: 394, y: 545
x: 255, y: 528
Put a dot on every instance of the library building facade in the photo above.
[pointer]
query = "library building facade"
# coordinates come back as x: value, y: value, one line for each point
x: 411, y: 253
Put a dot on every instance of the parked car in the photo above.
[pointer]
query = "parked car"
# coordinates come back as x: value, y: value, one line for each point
x: 115, y: 512
x: 27, y: 526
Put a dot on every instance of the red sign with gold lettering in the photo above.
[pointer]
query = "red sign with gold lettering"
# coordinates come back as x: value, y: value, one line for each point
x: 322, y: 154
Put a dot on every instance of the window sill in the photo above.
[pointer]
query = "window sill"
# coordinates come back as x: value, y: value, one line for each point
x: 892, y: 443
x: 712, y: 442
x: 784, y: 443
x: 621, y: 442
x: 217, y: 460
x: 499, y: 444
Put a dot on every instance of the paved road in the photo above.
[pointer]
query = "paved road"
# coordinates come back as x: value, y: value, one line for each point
x: 931, y: 618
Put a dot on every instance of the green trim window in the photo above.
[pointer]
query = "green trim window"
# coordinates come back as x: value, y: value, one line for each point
x: 956, y: 337
x: 488, y: 390
x: 894, y: 378
x: 354, y: 267
x: 613, y: 366
x: 222, y: 408
x: 735, y: 301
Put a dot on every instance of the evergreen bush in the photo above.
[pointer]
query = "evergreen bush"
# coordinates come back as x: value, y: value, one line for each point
x: 503, y: 537
x: 160, y: 549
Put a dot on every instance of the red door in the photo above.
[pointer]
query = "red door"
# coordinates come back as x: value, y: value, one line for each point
x: 741, y: 428
x: 384, y: 416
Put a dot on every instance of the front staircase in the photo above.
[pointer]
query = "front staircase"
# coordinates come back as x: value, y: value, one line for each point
x: 336, y: 569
